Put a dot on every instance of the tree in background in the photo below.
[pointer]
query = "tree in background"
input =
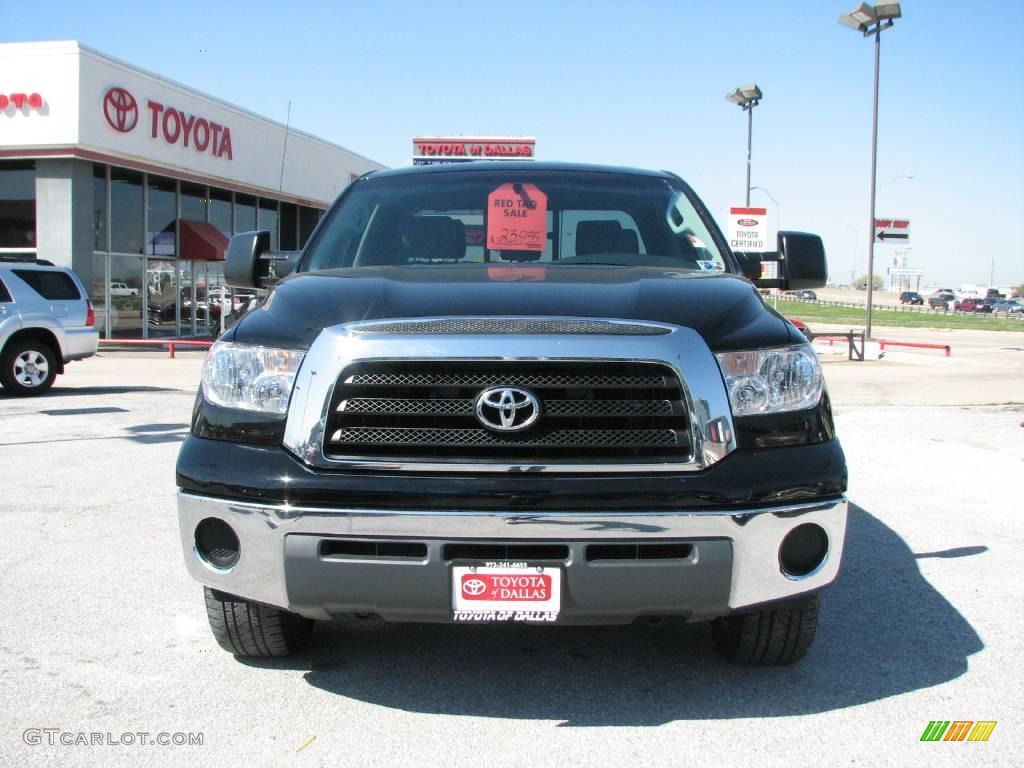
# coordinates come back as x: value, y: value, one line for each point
x: 862, y: 283
x: 1018, y: 292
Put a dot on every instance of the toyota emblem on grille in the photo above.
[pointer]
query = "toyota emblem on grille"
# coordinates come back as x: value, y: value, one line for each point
x: 507, y: 409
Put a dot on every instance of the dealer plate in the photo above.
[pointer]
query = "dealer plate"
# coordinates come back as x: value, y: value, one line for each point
x: 506, y: 592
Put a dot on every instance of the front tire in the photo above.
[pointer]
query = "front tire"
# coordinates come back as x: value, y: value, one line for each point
x: 254, y: 630
x: 28, y: 368
x: 777, y: 635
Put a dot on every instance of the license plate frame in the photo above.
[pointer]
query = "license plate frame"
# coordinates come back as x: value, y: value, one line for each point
x: 506, y: 592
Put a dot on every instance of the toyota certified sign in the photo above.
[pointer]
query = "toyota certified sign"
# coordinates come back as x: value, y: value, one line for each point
x: 173, y: 125
x: 751, y: 231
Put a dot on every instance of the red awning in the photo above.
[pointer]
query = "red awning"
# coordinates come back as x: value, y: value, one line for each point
x: 201, y: 241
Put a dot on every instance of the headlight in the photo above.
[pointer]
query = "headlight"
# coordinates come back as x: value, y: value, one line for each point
x: 772, y: 380
x: 250, y: 378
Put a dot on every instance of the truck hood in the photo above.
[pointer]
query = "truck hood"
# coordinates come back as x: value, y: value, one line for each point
x: 726, y: 310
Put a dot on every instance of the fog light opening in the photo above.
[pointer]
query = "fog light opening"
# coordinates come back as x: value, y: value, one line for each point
x: 803, y: 550
x: 216, y: 543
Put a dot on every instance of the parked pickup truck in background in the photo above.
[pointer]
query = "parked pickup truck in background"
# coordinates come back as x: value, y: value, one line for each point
x: 943, y: 299
x: 515, y: 392
x: 121, y: 290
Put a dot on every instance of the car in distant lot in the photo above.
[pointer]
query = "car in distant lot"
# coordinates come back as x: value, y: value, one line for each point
x: 46, y: 321
x: 802, y: 327
x: 808, y: 294
x: 1010, y: 306
x: 943, y: 299
x: 974, y: 304
x: 911, y: 297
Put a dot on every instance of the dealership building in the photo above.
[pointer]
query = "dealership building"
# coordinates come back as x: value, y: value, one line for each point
x: 136, y: 182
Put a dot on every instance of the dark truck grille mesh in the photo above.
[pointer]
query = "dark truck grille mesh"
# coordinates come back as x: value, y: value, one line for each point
x: 591, y: 411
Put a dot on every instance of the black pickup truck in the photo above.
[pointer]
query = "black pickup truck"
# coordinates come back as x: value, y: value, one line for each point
x: 515, y: 392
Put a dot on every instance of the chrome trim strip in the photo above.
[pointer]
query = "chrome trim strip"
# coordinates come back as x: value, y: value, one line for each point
x: 520, y: 325
x: 681, y: 349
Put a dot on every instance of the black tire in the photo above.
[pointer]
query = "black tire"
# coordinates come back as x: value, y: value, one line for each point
x: 252, y: 629
x: 777, y: 635
x: 28, y: 367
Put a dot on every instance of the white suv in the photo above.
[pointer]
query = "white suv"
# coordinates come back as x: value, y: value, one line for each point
x: 46, y: 320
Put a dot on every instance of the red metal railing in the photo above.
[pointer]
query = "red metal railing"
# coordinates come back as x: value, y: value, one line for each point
x: 169, y: 343
x: 883, y: 343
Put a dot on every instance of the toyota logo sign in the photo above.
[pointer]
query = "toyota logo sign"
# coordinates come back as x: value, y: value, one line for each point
x: 507, y: 409
x: 120, y: 109
x: 473, y: 587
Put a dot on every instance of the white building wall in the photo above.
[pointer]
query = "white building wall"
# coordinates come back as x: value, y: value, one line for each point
x: 74, y: 81
x: 51, y: 70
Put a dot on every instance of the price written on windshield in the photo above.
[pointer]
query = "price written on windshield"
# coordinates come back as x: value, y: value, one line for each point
x: 517, y: 217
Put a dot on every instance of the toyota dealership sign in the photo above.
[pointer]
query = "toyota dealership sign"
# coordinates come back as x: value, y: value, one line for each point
x: 173, y: 125
x: 435, y: 150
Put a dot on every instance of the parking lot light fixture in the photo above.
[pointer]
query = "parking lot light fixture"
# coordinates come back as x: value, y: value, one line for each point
x: 778, y: 208
x: 747, y: 97
x: 870, y: 20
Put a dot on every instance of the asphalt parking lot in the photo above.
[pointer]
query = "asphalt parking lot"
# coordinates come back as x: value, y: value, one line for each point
x: 103, y: 632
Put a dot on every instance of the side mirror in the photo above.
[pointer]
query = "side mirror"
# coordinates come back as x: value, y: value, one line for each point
x: 249, y: 262
x: 804, y: 263
x: 798, y: 263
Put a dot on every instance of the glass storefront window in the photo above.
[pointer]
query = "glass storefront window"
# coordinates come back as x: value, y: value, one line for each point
x: 18, y: 204
x: 162, y: 287
x: 126, y: 289
x: 289, y: 227
x: 125, y: 211
x: 163, y: 213
x: 268, y: 220
x: 99, y: 207
x: 245, y: 213
x: 193, y: 202
x: 98, y: 293
x: 220, y: 210
x: 308, y: 218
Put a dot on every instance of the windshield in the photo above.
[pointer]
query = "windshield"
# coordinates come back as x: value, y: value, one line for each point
x: 516, y: 216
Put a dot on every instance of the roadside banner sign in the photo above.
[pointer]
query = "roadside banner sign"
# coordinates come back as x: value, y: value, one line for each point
x: 892, y: 231
x: 750, y: 231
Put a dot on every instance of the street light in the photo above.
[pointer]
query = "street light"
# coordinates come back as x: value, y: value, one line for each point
x: 747, y: 97
x: 895, y: 178
x: 870, y: 20
x: 778, y: 208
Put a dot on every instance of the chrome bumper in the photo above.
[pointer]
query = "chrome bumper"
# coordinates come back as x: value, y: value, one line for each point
x: 754, y: 534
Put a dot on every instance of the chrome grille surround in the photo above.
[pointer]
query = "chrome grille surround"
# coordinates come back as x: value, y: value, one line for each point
x: 680, y: 349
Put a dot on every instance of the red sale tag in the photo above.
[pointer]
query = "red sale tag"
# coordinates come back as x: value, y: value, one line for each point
x: 517, y: 218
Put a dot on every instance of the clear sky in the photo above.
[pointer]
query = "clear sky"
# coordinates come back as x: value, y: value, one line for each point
x: 643, y: 84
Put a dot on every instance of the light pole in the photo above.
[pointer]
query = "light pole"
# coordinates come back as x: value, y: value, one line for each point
x: 856, y: 237
x: 747, y: 97
x: 870, y: 20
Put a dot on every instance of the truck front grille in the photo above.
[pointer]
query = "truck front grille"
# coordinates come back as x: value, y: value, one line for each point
x: 590, y: 412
